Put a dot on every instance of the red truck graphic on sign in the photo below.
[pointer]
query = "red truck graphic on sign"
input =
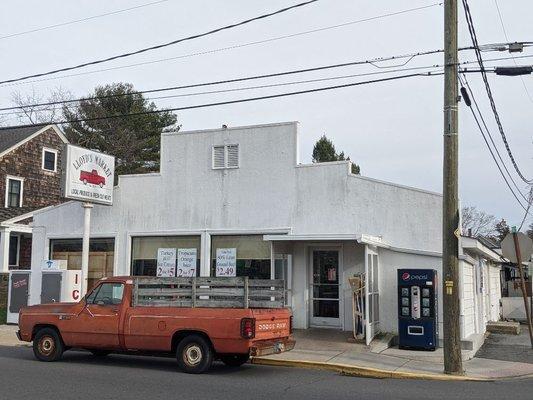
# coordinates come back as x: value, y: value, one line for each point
x: 92, y: 177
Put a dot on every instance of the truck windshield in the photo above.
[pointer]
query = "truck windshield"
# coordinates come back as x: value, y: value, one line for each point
x: 107, y: 294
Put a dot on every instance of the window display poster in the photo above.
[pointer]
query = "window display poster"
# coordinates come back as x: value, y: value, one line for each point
x: 226, y: 262
x: 187, y: 263
x: 166, y: 262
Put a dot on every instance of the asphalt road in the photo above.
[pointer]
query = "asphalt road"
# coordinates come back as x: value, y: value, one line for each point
x: 80, y: 376
x: 508, y: 347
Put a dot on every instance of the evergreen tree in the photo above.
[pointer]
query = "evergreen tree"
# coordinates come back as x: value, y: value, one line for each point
x: 133, y: 140
x: 324, y: 151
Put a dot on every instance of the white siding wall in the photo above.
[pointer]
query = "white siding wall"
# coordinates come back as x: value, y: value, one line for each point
x: 390, y: 262
x: 468, y: 313
x: 495, y: 292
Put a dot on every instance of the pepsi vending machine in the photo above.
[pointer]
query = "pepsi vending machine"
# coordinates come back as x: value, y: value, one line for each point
x: 417, y: 309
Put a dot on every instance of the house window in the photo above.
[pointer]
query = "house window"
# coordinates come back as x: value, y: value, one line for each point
x: 14, y: 250
x: 49, y: 160
x: 251, y: 251
x: 226, y: 156
x: 144, y: 251
x: 14, y: 187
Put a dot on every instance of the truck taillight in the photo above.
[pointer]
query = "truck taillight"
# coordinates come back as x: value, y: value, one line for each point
x: 248, y: 328
x: 290, y: 324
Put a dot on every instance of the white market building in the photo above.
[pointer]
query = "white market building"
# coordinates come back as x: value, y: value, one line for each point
x: 316, y: 225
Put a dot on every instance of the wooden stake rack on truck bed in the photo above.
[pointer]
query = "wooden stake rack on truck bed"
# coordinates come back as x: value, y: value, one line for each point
x: 239, y: 292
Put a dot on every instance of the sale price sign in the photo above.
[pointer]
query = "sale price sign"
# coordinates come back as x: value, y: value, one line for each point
x: 186, y: 263
x: 166, y: 262
x: 226, y: 262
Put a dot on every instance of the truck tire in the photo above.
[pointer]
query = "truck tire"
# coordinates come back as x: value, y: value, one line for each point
x: 194, y: 354
x: 47, y: 345
x: 235, y: 360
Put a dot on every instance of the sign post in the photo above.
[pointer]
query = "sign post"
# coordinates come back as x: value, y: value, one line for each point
x: 520, y: 249
x: 87, y: 207
x: 88, y: 176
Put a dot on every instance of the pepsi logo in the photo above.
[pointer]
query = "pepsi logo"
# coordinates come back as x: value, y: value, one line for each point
x: 406, y: 276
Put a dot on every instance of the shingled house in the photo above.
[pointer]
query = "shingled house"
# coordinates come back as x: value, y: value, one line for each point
x: 30, y: 179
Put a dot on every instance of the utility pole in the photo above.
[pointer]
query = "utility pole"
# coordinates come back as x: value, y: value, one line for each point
x: 453, y: 363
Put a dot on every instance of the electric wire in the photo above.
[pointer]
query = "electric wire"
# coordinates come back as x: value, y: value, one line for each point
x: 471, y: 95
x: 162, y: 45
x: 212, y: 51
x: 33, y: 106
x: 507, y: 38
x: 473, y: 36
x: 244, y: 100
x: 43, y: 28
x: 528, y: 208
x: 494, y: 157
x: 242, y: 79
x: 372, y: 62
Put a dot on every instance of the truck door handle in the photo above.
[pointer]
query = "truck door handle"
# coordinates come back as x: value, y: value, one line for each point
x: 115, y: 310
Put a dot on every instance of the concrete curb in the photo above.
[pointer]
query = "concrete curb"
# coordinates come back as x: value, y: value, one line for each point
x: 365, y: 372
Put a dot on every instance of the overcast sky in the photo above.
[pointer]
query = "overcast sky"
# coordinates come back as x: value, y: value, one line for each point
x: 393, y: 130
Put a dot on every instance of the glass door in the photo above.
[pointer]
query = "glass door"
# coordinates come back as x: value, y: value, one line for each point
x: 325, y: 288
x: 372, y: 295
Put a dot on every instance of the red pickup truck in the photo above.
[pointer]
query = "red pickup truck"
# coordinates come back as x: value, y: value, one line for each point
x: 92, y: 177
x: 112, y: 318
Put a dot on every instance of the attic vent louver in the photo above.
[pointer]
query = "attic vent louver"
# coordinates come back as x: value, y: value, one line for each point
x: 226, y: 156
x: 218, y: 157
x: 233, y: 155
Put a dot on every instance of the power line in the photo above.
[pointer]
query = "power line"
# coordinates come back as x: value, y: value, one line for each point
x: 253, y: 43
x: 528, y: 208
x: 471, y: 95
x: 373, y: 62
x: 492, y: 154
x: 31, y: 106
x: 245, y: 100
x: 225, y: 81
x: 159, y: 46
x: 488, y: 89
x: 507, y: 38
x: 43, y: 28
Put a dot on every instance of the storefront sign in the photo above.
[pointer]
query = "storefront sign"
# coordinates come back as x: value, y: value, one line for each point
x: 187, y: 263
x: 51, y: 265
x: 166, y: 262
x: 226, y: 262
x: 88, y: 175
x: 54, y: 265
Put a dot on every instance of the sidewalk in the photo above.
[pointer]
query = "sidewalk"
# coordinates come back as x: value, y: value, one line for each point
x: 330, y: 350
x: 8, y: 337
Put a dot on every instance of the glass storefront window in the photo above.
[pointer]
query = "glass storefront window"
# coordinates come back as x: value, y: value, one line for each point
x: 144, y: 251
x: 101, y: 256
x: 253, y: 254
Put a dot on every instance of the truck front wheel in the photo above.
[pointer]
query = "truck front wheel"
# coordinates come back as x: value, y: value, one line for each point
x: 47, y: 345
x: 194, y: 354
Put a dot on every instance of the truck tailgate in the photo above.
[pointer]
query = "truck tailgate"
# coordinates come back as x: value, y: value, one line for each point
x: 271, y: 323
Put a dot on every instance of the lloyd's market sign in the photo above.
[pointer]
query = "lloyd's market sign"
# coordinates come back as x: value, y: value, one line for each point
x: 88, y: 175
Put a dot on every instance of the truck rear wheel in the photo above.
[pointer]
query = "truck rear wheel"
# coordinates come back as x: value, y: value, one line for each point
x: 194, y: 354
x: 47, y: 345
x: 235, y: 360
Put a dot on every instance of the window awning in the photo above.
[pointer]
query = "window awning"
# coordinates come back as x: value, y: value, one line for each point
x: 360, y: 238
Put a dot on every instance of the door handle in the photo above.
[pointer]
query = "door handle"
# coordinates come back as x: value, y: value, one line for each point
x: 115, y: 310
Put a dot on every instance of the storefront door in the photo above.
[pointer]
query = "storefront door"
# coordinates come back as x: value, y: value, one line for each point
x: 325, y: 288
